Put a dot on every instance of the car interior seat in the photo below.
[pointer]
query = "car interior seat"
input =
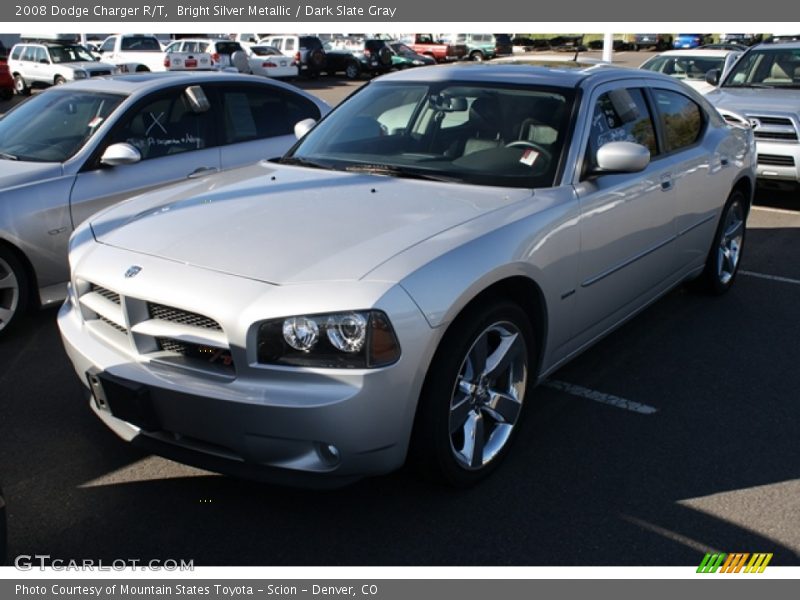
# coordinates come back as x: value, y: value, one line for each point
x: 486, y: 124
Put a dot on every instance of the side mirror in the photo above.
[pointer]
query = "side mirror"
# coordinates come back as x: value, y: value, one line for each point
x: 712, y: 77
x: 303, y: 127
x: 120, y: 154
x: 622, y: 157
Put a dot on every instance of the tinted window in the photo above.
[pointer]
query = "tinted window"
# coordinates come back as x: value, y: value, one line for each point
x: 621, y: 116
x: 227, y: 47
x: 252, y: 113
x: 52, y: 126
x: 141, y: 43
x: 165, y: 126
x: 108, y: 45
x: 310, y: 43
x: 681, y: 119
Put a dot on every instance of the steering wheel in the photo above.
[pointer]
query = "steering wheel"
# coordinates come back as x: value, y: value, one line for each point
x: 532, y: 145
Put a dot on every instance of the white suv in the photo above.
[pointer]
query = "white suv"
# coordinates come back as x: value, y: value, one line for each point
x: 47, y: 63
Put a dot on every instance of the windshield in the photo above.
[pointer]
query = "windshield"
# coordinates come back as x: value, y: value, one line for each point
x: 62, y: 54
x: 772, y: 68
x: 478, y: 133
x: 54, y: 125
x: 685, y: 66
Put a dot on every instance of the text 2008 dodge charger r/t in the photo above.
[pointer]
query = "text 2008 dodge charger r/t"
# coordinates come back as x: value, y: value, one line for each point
x: 397, y: 284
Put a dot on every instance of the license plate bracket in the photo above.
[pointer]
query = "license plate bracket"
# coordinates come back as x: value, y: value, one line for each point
x: 124, y: 399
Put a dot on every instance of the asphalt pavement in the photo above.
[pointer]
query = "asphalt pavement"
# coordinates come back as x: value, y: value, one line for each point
x: 674, y: 436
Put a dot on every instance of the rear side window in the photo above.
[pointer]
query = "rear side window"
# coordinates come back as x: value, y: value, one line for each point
x: 258, y: 112
x: 310, y: 43
x: 681, y: 119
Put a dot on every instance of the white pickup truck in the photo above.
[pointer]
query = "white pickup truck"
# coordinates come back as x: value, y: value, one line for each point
x: 133, y: 52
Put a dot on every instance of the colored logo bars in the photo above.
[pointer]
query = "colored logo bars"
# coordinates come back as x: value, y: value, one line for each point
x: 734, y: 563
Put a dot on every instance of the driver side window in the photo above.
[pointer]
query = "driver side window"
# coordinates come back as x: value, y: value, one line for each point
x: 621, y: 116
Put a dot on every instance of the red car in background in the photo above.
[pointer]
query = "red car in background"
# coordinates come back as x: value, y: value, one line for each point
x: 6, y: 82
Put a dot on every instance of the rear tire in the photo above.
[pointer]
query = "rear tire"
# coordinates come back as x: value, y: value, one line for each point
x: 20, y: 87
x: 477, y: 56
x: 725, y: 255
x: 13, y: 289
x: 352, y: 70
x: 469, y: 411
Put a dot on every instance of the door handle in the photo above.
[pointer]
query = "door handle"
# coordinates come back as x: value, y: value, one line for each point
x: 202, y: 171
x: 724, y: 161
x: 666, y: 182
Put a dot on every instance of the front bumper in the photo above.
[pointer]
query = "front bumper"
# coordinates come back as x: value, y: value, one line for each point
x: 310, y: 427
x: 779, y: 162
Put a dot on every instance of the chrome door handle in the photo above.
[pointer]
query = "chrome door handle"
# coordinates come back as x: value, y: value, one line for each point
x: 666, y: 182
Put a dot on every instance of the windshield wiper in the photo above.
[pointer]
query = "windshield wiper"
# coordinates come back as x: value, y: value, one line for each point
x: 8, y: 156
x: 302, y: 162
x: 395, y: 171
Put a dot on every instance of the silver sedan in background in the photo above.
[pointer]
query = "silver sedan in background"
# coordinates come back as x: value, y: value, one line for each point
x: 397, y: 285
x: 75, y: 149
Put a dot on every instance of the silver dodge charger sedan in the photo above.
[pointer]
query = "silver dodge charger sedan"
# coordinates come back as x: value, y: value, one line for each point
x: 75, y: 149
x: 395, y: 286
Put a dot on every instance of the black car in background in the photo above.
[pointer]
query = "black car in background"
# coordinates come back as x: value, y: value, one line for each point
x: 354, y: 57
x: 502, y: 44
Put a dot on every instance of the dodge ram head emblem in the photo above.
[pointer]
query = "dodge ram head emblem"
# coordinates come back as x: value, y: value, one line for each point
x: 133, y: 271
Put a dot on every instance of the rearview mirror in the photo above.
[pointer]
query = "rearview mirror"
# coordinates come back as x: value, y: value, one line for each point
x: 301, y: 128
x: 197, y: 99
x: 622, y: 157
x: 712, y: 77
x: 120, y: 154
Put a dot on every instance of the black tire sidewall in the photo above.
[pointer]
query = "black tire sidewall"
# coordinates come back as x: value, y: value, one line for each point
x: 430, y: 446
x: 22, y: 281
x: 710, y: 279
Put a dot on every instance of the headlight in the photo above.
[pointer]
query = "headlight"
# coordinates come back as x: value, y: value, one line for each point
x: 80, y: 74
x: 345, y: 340
x: 418, y: 62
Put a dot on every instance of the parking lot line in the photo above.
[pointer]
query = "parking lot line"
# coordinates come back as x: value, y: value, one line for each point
x: 781, y: 211
x: 601, y: 397
x: 770, y: 277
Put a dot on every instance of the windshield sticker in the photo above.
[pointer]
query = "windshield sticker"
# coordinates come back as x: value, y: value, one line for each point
x: 529, y: 157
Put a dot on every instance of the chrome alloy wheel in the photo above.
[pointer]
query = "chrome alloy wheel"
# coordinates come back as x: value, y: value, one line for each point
x: 730, y: 243
x: 9, y: 293
x: 488, y: 394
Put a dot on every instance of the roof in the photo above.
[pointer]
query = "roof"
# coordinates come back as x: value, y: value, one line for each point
x: 700, y: 52
x: 551, y: 73
x: 146, y: 82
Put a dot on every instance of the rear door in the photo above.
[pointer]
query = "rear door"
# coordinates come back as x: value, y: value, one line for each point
x: 175, y: 143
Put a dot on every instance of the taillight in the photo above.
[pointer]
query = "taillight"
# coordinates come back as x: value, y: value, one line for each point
x: 367, y: 52
x: 215, y: 57
x: 166, y: 61
x: 297, y: 57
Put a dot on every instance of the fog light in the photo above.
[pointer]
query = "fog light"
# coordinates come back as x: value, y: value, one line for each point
x: 328, y: 453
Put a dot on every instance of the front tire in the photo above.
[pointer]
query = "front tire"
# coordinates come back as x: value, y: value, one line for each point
x: 723, y: 260
x: 13, y: 289
x: 474, y: 393
x: 352, y: 70
x: 59, y: 80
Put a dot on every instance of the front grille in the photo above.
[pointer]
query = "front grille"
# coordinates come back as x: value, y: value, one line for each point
x: 183, y: 317
x: 111, y: 324
x: 775, y: 121
x: 775, y: 135
x: 776, y: 160
x: 105, y: 293
x: 219, y: 357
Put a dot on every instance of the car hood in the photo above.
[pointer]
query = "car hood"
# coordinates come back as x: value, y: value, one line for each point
x: 755, y: 100
x: 15, y: 173
x: 282, y: 224
x: 87, y: 65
